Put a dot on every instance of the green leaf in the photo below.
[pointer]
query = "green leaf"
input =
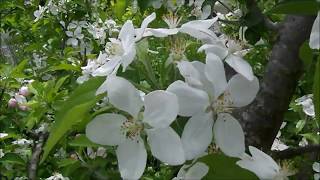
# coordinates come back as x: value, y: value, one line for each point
x: 316, y: 91
x: 304, y: 7
x: 12, y: 158
x: 66, y: 67
x: 17, y: 72
x: 73, y: 111
x: 60, y: 83
x: 223, y: 167
x: 66, y: 162
x: 35, y: 116
x: 83, y: 141
x: 314, y: 137
x: 300, y: 125
x: 119, y: 8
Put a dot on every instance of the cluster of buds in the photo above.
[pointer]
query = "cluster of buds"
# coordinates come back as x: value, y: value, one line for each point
x: 19, y: 100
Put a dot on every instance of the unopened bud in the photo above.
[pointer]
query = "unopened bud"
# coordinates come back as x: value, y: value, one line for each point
x: 12, y: 103
x: 24, y: 91
x: 23, y: 107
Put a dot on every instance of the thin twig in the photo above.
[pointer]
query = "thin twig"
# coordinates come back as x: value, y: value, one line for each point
x: 36, y: 152
x: 292, y: 152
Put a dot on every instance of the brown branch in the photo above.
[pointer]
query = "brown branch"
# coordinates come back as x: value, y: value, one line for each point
x: 35, y: 157
x: 262, y: 119
x: 292, y: 152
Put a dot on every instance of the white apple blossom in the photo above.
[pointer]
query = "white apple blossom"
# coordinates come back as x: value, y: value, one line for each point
x: 314, y: 42
x: 100, y: 152
x: 316, y: 168
x: 92, y: 66
x: 3, y: 135
x: 74, y: 36
x: 206, y: 94
x: 263, y: 165
x: 77, y: 25
x: 39, y: 13
x: 199, y: 11
x: 231, y: 52
x: 160, y: 110
x: 57, y: 176
x: 97, y: 32
x: 307, y: 104
x: 303, y: 142
x: 22, y: 142
x: 277, y: 144
x: 120, y: 51
x: 1, y: 153
x: 194, y: 171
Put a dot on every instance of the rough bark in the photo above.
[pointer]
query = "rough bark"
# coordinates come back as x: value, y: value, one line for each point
x: 262, y: 119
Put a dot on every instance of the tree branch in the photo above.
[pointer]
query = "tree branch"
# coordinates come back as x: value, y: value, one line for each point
x: 262, y: 119
x: 253, y: 7
x: 36, y: 152
x: 292, y: 152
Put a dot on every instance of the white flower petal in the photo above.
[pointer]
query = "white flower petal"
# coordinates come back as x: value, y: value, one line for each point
x: 314, y: 42
x: 128, y: 56
x: 127, y: 32
x: 191, y: 100
x: 106, y: 129
x: 165, y: 145
x: 161, y: 108
x: 241, y: 66
x: 242, y: 91
x: 160, y: 32
x: 123, y: 95
x: 229, y: 136
x: 197, y: 135
x: 132, y: 159
x: 206, y: 85
x: 144, y: 25
x: 261, y: 164
x: 260, y: 156
x: 107, y: 68
x: 197, y: 171
x: 200, y: 29
x: 316, y: 167
x: 190, y: 73
x: 218, y: 50
x: 215, y: 73
x: 206, y: 11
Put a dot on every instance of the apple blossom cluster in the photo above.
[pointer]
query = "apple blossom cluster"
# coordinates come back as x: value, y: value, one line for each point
x: 53, y: 7
x: 205, y: 96
x: 19, y: 100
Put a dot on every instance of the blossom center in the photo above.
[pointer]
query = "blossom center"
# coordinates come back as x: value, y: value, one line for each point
x: 114, y: 48
x: 223, y: 104
x: 132, y: 129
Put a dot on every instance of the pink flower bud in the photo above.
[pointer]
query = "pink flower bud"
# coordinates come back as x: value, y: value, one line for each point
x: 23, y: 107
x: 24, y: 91
x: 12, y: 103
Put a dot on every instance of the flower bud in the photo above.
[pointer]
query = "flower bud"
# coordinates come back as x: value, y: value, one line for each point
x: 23, y: 107
x: 24, y: 91
x: 12, y: 103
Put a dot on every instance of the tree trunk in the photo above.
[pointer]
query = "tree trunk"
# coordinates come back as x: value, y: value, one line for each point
x: 262, y: 119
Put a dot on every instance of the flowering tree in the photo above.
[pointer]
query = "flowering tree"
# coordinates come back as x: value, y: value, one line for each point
x: 160, y: 89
